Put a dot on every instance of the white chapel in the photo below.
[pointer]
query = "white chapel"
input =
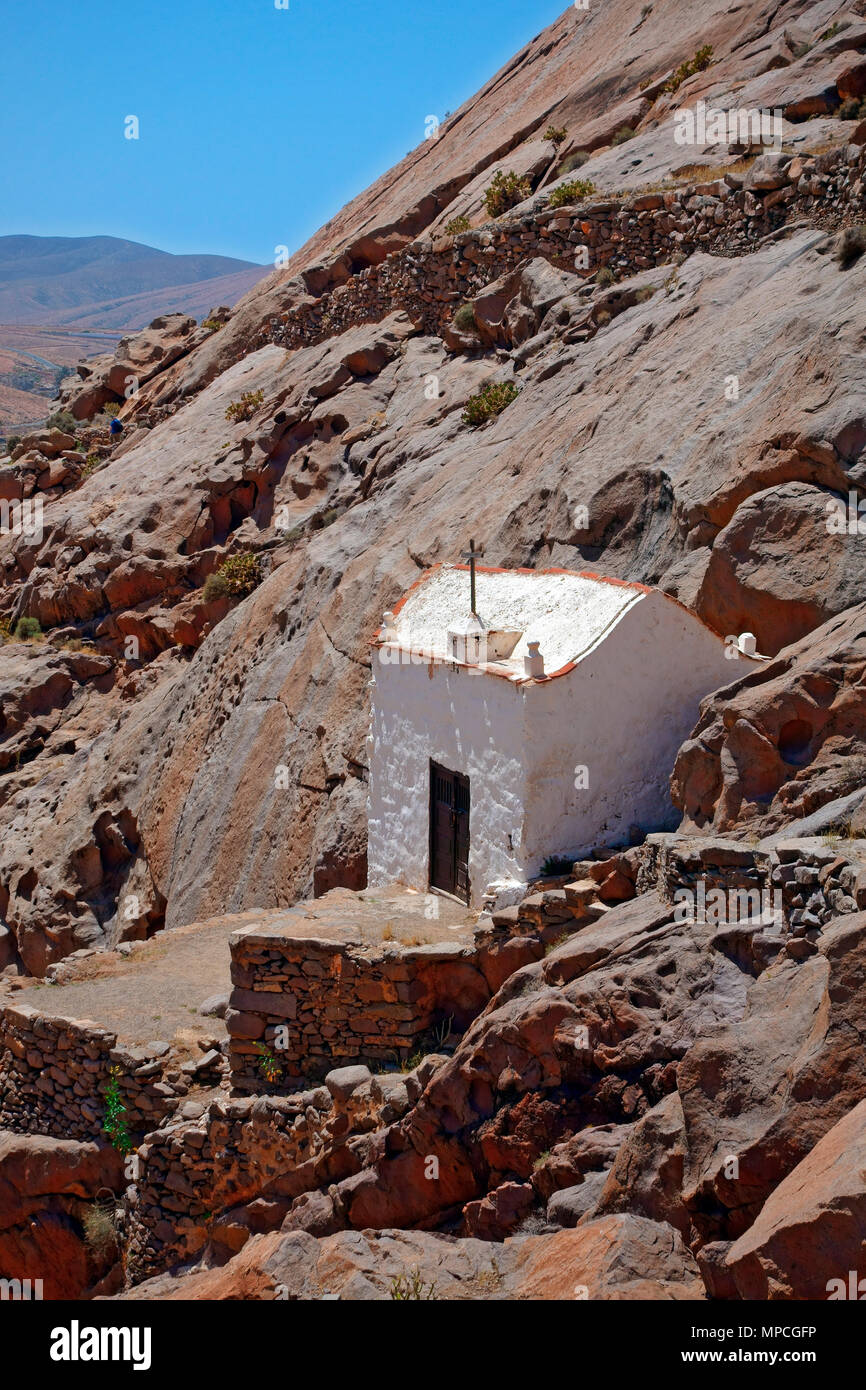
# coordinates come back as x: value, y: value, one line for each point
x: 533, y: 716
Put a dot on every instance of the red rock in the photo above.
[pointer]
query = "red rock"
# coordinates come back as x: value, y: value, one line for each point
x: 811, y: 1232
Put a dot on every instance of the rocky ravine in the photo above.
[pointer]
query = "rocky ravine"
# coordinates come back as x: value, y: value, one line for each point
x: 140, y: 743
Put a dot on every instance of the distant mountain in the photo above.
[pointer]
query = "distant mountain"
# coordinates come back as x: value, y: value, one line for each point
x: 104, y: 282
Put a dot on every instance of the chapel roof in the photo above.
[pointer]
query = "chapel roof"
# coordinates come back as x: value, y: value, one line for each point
x: 566, y: 611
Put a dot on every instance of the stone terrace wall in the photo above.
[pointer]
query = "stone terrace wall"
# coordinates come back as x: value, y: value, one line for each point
x: 234, y: 1170
x: 344, y: 1002
x: 430, y: 278
x: 803, y: 883
x: 340, y: 1001
x: 54, y: 1073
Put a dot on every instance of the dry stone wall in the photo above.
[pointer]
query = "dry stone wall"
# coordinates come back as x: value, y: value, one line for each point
x: 335, y: 1002
x: 301, y: 1005
x: 234, y: 1170
x: 430, y: 278
x: 765, y: 898
x: 54, y: 1073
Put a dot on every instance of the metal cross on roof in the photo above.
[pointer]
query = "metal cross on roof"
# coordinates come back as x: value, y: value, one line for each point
x: 472, y: 555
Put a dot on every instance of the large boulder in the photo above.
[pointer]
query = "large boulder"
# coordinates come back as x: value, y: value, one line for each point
x: 47, y: 1186
x: 810, y: 1236
x: 782, y: 741
x: 757, y: 1097
x: 619, y: 1258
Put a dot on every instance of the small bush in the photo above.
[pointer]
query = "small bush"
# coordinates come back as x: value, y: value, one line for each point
x: 215, y: 587
x: 411, y: 1286
x: 12, y: 442
x: 100, y: 1228
x: 604, y: 276
x: 701, y: 60
x: 212, y: 324
x: 570, y: 192
x: 464, y: 319
x: 5, y: 629
x: 643, y: 295
x: 557, y: 135
x: 93, y: 462
x: 268, y: 1064
x: 505, y: 192
x: 246, y: 407
x: 850, y: 245
x: 575, y: 160
x: 852, y: 110
x: 236, y: 578
x: 62, y: 420
x: 27, y: 629
x: 624, y: 133
x: 457, y: 224
x: 114, y: 1124
x: 490, y: 401
x: 602, y: 317
x: 556, y: 864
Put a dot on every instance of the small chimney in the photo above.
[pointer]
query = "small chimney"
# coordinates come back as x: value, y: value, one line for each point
x: 747, y: 643
x: 533, y: 662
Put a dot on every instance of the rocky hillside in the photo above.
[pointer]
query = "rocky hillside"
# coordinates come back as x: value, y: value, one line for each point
x: 683, y: 328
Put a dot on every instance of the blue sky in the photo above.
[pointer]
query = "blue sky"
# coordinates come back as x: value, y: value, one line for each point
x: 256, y: 124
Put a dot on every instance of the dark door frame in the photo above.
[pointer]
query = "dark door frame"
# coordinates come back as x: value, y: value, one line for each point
x: 449, y: 842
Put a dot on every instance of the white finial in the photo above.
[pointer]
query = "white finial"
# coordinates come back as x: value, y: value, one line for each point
x: 533, y: 662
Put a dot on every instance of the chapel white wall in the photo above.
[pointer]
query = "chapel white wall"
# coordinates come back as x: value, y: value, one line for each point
x: 623, y: 714
x: 470, y: 723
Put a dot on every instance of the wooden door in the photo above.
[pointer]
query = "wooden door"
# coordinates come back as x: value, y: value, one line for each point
x: 449, y: 831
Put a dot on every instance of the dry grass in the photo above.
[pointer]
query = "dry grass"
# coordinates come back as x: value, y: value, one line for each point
x: 708, y: 173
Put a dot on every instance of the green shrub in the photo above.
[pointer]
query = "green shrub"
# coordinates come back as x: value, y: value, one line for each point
x: 556, y: 864
x: 557, y: 135
x: 850, y: 245
x: 236, y: 578
x: 268, y: 1064
x: 411, y: 1286
x: 62, y: 420
x: 246, y: 407
x: 457, y: 224
x: 212, y: 324
x: 27, y: 629
x: 505, y: 192
x: 12, y: 442
x: 5, y: 630
x: 114, y: 1125
x: 701, y: 60
x: 604, y: 276
x: 93, y: 462
x: 570, y: 192
x: 852, y: 110
x: 490, y: 401
x: 624, y: 133
x: 572, y: 161
x: 464, y: 319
